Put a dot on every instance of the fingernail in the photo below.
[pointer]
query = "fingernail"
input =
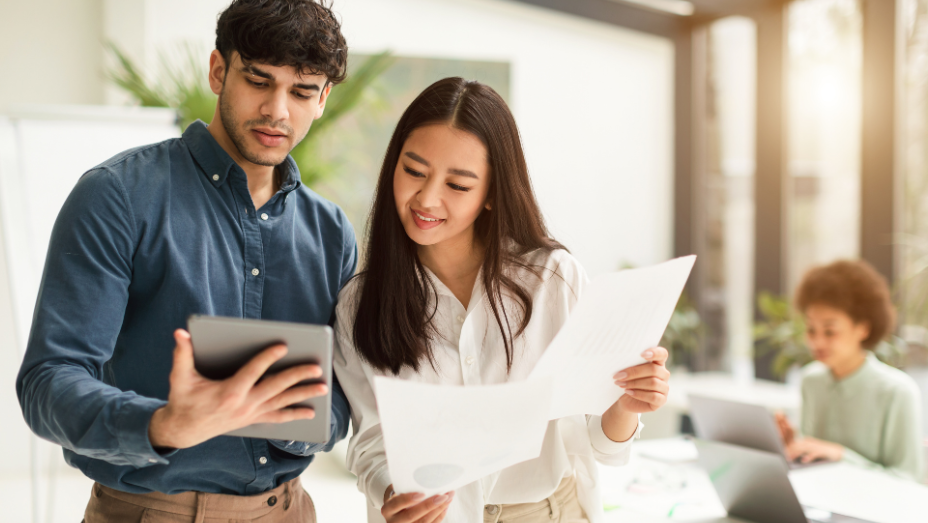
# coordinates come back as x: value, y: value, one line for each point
x: 324, y: 389
x: 621, y: 384
x: 630, y: 392
x: 647, y: 354
x: 620, y: 376
x: 418, y: 495
x: 438, y: 500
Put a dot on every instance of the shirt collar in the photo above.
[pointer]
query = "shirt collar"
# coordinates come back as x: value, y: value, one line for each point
x: 858, y: 376
x: 217, y: 165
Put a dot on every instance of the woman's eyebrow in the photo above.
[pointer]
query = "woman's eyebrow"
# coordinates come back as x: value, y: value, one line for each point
x: 463, y: 172
x: 418, y: 158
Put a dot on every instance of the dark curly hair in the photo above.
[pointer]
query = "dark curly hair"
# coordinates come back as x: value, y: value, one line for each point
x: 855, y: 288
x: 301, y: 33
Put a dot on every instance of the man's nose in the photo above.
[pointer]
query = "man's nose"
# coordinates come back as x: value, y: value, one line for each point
x: 275, y: 106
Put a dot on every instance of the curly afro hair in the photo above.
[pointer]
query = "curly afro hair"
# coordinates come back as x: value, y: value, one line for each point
x: 855, y: 288
x: 301, y: 33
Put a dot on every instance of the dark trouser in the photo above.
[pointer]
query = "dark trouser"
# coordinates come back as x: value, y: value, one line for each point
x: 288, y: 503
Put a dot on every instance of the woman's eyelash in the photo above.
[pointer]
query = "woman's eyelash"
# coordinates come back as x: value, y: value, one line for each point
x: 454, y: 186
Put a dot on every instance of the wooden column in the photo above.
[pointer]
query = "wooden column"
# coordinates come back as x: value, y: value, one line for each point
x: 770, y: 179
x: 878, y: 180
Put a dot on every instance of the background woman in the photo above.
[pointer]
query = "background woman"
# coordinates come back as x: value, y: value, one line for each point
x: 462, y: 285
x: 854, y: 407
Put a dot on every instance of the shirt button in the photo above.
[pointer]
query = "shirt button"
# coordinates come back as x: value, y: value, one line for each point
x: 492, y: 510
x: 460, y: 319
x: 262, y: 460
x: 469, y: 360
x: 255, y: 272
x: 215, y: 177
x: 264, y: 216
x: 271, y: 501
x: 152, y: 460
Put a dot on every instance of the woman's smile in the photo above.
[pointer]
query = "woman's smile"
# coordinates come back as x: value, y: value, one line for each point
x: 426, y: 221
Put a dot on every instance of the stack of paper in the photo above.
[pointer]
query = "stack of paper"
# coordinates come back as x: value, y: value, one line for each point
x: 439, y: 438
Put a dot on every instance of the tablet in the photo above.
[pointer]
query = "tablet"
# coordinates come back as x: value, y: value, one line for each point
x: 221, y: 346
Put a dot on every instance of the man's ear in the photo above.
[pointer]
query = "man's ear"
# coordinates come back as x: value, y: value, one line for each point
x: 323, y: 98
x: 217, y: 71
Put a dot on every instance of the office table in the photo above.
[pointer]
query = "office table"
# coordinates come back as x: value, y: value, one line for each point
x: 662, y: 483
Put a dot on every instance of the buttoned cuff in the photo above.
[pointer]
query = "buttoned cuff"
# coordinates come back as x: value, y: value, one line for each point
x: 132, y: 422
x: 379, y: 482
x: 601, y: 442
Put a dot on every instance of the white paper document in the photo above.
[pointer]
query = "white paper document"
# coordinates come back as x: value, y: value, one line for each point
x: 618, y: 317
x: 439, y: 438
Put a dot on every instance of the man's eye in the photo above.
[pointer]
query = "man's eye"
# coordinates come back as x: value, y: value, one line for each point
x: 415, y: 174
x: 301, y: 96
x: 256, y: 84
x: 457, y: 187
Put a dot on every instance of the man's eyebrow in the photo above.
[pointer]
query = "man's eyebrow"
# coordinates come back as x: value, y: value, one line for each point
x: 310, y: 87
x: 268, y: 76
x: 418, y: 158
x: 257, y: 72
x: 463, y: 172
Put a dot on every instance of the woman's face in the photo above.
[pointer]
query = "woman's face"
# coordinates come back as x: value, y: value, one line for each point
x: 833, y: 336
x: 441, y: 184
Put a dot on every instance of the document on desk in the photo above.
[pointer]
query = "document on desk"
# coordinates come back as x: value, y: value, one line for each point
x: 618, y: 317
x: 439, y: 438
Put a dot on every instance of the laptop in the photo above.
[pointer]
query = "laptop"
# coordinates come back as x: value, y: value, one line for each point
x: 737, y: 423
x: 754, y: 485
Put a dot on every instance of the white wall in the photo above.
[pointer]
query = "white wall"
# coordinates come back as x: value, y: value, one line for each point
x: 594, y: 103
x: 50, y: 52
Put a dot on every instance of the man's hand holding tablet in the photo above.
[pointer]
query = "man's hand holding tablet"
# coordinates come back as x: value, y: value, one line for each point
x: 199, y: 409
x: 246, y: 377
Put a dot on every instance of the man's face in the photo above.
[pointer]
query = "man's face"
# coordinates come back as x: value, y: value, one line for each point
x: 265, y: 110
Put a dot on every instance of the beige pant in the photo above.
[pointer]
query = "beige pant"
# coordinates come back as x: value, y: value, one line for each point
x: 288, y: 503
x: 560, y: 507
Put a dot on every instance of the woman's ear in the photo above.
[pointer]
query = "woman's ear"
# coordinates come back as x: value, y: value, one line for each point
x: 488, y: 206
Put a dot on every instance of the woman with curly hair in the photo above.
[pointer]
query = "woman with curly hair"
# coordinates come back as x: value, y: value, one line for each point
x: 854, y: 407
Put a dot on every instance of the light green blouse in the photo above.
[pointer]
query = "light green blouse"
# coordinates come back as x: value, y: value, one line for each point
x: 875, y: 413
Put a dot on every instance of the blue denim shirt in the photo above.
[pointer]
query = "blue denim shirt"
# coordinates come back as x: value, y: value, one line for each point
x: 144, y: 240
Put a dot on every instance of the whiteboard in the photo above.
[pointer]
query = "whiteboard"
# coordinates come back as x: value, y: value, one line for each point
x: 44, y: 150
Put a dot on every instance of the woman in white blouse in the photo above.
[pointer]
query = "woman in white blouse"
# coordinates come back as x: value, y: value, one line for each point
x: 462, y: 285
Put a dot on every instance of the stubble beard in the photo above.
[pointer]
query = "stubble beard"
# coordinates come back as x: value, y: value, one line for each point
x: 237, y: 135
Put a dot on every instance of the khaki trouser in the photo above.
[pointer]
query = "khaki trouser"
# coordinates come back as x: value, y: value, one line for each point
x: 288, y: 503
x: 560, y: 507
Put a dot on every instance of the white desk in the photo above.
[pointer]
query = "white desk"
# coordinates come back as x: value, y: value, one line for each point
x: 651, y: 491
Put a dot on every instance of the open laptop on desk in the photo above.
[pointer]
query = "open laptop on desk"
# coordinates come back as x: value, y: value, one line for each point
x: 737, y: 423
x: 754, y: 485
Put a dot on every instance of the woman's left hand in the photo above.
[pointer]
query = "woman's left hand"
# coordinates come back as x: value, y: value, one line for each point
x: 645, y: 385
x: 646, y: 390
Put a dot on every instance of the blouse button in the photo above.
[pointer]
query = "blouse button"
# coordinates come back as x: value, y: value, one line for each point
x: 492, y: 510
x: 460, y: 319
x: 469, y: 360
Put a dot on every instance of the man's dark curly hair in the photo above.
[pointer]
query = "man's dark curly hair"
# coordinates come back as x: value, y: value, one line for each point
x: 301, y: 33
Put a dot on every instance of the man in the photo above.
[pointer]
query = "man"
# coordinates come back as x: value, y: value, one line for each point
x: 215, y: 222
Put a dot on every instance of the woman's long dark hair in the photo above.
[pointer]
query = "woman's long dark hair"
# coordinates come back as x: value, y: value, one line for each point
x: 397, y: 304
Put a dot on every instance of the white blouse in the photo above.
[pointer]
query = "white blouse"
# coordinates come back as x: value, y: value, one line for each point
x: 469, y: 352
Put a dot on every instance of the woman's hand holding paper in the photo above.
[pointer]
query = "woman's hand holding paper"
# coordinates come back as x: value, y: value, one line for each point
x: 646, y: 390
x: 414, y: 507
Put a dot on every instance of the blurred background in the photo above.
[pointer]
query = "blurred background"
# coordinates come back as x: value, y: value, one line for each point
x: 766, y: 136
